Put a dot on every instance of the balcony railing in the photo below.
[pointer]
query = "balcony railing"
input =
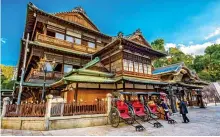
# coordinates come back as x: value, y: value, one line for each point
x: 49, y: 75
x: 63, y: 43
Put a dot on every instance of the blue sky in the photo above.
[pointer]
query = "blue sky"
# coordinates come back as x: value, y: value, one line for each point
x: 191, y: 25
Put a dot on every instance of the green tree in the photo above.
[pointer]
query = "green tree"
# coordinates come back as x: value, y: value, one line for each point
x: 6, y: 77
x: 158, y: 44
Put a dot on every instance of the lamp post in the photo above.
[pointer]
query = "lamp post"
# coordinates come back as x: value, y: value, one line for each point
x: 45, y: 74
x: 43, y: 66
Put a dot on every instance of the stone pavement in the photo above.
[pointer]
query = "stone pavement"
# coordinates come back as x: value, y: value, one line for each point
x: 204, y: 122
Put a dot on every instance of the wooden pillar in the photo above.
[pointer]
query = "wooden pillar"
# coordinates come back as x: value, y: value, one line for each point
x: 76, y: 93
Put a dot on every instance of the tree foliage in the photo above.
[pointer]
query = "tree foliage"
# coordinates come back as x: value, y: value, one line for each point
x: 6, y: 77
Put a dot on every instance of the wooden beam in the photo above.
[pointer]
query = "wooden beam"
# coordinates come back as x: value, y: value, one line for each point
x: 35, y: 24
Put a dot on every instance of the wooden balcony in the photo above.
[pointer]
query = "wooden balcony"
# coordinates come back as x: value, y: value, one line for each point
x: 49, y: 75
x: 63, y: 43
x: 135, y: 74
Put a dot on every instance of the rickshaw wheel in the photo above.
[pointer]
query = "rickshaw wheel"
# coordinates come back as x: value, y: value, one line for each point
x: 114, y: 117
x: 147, y: 112
x: 131, y: 113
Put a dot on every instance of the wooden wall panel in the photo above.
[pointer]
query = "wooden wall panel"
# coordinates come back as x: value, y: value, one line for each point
x: 108, y: 86
x: 70, y: 96
x: 90, y: 95
x: 139, y: 86
x: 88, y: 85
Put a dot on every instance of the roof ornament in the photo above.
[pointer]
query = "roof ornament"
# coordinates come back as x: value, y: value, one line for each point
x: 138, y: 31
x: 120, y: 34
x: 31, y: 4
x: 79, y: 9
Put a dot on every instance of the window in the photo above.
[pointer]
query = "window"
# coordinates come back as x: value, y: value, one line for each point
x: 135, y: 67
x: 70, y: 39
x: 48, y: 67
x: 78, y: 41
x: 91, y: 45
x: 67, y: 68
x: 50, y: 33
x: 140, y: 68
x: 59, y: 36
x: 149, y: 69
x: 131, y: 66
x: 125, y: 63
x: 145, y: 68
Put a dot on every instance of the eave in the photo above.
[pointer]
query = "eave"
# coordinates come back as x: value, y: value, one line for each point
x: 39, y: 11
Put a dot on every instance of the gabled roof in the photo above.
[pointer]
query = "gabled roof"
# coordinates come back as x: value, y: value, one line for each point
x: 126, y: 40
x: 138, y: 37
x: 78, y: 10
x: 168, y: 69
x: 32, y: 7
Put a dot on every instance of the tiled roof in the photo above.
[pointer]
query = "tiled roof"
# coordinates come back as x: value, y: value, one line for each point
x: 140, y: 80
x: 30, y: 84
x: 87, y: 78
x: 167, y: 69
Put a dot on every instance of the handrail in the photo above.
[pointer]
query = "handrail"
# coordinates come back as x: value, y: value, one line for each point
x: 63, y: 43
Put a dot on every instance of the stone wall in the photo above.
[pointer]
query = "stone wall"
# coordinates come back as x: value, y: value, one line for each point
x: 33, y: 123
x: 77, y: 121
x: 23, y: 123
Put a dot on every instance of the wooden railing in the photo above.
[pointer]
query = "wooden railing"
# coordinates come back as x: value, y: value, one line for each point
x: 68, y: 109
x: 63, y: 43
x: 49, y: 75
x: 25, y: 110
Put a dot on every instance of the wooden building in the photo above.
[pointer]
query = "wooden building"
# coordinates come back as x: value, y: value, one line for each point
x: 82, y: 63
x: 184, y: 84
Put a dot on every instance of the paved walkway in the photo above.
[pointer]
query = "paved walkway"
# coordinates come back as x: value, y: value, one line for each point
x: 204, y: 122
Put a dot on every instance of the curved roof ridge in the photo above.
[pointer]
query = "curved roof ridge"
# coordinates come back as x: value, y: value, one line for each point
x: 74, y: 10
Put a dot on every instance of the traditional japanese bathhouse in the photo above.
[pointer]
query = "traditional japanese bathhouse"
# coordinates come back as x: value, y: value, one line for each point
x: 63, y: 41
x: 81, y: 63
x: 183, y: 83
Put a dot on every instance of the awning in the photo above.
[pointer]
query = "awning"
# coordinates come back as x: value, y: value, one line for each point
x: 93, y: 79
x: 29, y: 84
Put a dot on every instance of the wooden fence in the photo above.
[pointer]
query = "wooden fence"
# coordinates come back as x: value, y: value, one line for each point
x: 68, y: 109
x: 57, y: 109
x: 25, y: 110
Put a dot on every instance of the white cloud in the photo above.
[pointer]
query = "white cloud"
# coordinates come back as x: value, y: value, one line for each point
x: 213, y: 34
x: 3, y: 40
x: 217, y: 41
x: 169, y: 45
x: 192, y: 49
x: 196, y: 49
x: 191, y: 42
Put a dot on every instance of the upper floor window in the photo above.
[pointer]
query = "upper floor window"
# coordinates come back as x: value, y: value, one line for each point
x: 145, y: 69
x: 140, y: 68
x: 59, y: 36
x: 135, y: 66
x: 70, y: 39
x: 78, y: 41
x: 67, y: 68
x: 91, y: 44
x: 131, y: 67
x: 149, y: 69
x: 125, y: 64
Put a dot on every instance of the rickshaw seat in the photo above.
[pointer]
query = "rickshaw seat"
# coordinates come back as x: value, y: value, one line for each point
x: 123, y: 109
x: 138, y: 108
